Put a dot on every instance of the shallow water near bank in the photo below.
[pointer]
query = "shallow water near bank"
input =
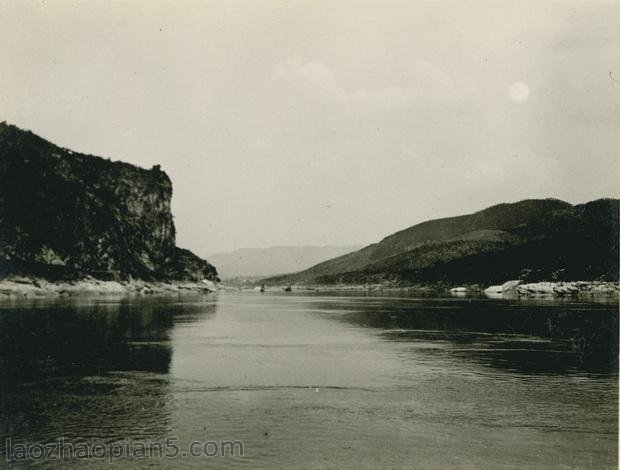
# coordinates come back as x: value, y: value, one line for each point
x: 316, y: 380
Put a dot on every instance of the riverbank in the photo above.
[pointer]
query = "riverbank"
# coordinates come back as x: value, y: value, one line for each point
x: 563, y: 289
x: 582, y: 289
x: 21, y: 286
x: 417, y: 289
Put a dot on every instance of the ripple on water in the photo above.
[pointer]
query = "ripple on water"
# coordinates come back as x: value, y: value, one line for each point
x: 320, y: 381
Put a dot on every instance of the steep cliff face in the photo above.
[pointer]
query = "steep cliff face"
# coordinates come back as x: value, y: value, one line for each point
x: 62, y: 211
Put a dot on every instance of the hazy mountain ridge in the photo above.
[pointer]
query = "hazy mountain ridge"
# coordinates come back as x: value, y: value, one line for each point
x: 252, y: 262
x: 534, y: 239
x: 65, y: 213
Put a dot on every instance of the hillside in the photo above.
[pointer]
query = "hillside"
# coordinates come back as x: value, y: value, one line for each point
x: 531, y: 239
x: 252, y: 262
x: 63, y: 213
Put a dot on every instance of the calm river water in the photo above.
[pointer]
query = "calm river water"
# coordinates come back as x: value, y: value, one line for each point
x: 314, y: 381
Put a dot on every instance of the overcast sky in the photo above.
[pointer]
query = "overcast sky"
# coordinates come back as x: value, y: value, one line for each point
x: 325, y: 122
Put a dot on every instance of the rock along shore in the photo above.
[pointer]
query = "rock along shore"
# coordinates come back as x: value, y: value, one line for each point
x: 562, y: 289
x: 20, y: 286
x: 511, y: 289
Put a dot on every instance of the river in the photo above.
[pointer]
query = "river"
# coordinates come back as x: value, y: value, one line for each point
x: 316, y: 380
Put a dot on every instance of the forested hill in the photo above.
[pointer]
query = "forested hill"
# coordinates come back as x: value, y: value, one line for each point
x: 532, y: 239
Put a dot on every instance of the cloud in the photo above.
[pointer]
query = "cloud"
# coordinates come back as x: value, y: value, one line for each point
x: 425, y: 81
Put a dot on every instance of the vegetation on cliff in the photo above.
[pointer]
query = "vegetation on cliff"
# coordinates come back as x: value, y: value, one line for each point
x: 531, y: 240
x: 66, y: 214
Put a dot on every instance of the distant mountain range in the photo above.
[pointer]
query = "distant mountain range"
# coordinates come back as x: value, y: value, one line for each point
x: 538, y: 239
x: 254, y: 262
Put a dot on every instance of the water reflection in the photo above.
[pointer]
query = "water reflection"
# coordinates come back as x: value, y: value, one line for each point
x: 518, y: 336
x: 371, y: 382
x: 67, y: 367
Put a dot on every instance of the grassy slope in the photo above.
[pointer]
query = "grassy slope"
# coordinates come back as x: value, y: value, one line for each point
x: 533, y: 239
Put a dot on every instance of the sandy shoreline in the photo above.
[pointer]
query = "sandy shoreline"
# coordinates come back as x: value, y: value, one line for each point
x: 15, y: 286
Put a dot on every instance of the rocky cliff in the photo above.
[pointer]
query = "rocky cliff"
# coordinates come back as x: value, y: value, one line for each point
x: 64, y: 213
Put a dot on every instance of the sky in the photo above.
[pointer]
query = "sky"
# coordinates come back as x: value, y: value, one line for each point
x: 324, y: 123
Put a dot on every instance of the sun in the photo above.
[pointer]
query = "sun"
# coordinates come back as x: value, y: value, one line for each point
x: 519, y: 92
